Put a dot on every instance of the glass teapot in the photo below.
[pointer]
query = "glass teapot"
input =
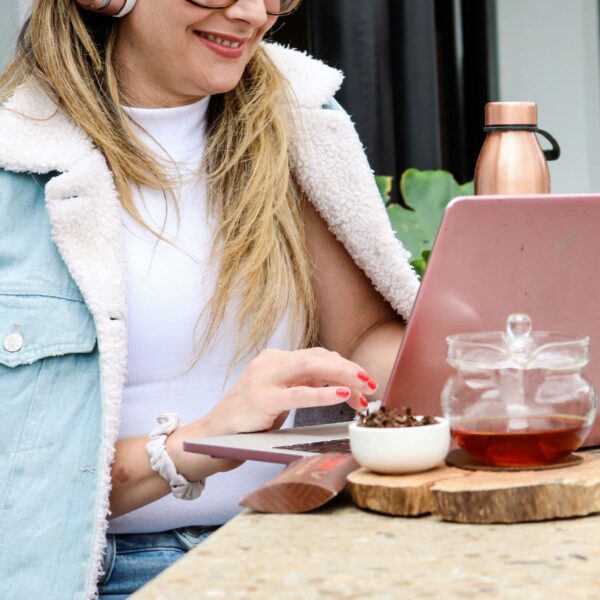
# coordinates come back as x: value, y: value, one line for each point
x: 518, y: 398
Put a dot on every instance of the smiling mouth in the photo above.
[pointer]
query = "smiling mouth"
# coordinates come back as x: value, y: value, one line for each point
x: 218, y: 40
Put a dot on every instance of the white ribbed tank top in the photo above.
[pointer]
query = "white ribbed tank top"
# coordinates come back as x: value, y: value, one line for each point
x: 168, y: 284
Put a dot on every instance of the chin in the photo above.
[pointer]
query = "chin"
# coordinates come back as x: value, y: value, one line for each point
x: 219, y: 87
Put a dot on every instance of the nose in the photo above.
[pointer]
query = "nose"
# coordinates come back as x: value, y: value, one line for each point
x: 252, y: 12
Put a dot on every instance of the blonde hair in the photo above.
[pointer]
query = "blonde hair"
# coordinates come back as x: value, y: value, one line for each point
x: 259, y: 239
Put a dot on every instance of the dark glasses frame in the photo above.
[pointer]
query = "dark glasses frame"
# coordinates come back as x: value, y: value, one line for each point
x: 295, y: 4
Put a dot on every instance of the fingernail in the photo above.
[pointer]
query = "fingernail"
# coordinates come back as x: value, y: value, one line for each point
x: 363, y: 376
x: 363, y: 401
x: 372, y: 384
x: 342, y: 393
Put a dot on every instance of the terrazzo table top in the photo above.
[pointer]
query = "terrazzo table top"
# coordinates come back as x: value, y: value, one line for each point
x: 343, y: 552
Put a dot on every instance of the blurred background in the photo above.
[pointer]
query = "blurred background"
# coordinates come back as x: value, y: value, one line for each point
x: 419, y: 72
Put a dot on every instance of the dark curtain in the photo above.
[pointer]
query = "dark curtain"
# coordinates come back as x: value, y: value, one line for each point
x: 418, y: 73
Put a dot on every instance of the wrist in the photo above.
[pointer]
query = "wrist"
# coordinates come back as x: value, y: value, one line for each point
x: 162, y: 463
x: 189, y: 464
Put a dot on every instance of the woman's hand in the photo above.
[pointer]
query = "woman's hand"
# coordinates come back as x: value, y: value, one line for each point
x: 277, y: 381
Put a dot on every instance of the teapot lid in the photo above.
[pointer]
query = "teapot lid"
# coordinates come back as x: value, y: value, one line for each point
x: 519, y: 347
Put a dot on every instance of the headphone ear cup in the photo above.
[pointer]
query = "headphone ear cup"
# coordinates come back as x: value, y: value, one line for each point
x: 111, y: 8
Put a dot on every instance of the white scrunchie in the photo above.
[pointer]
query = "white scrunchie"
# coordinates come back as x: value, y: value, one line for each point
x: 161, y: 462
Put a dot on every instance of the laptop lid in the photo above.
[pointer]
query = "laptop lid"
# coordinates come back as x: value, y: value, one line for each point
x: 492, y: 256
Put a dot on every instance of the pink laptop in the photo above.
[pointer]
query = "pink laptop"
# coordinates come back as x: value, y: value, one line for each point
x: 493, y: 256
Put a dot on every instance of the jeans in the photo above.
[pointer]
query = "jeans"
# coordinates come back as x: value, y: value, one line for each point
x: 133, y: 559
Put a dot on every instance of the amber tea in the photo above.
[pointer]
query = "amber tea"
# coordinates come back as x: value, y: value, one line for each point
x: 544, y: 440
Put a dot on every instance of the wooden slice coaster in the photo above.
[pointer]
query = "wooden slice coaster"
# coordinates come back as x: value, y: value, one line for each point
x: 468, y: 496
x: 461, y: 459
x: 400, y: 495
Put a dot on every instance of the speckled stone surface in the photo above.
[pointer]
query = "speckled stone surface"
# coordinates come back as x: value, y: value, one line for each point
x: 343, y: 552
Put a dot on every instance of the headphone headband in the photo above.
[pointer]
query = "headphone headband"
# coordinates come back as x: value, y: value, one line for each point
x: 112, y: 8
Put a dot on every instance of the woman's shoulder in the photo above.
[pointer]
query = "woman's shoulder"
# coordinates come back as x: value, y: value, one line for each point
x: 37, y: 136
x: 313, y: 82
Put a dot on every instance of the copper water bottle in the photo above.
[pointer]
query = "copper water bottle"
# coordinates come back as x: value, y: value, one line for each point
x: 511, y: 160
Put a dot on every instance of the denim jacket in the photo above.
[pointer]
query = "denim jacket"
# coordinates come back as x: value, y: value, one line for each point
x: 63, y: 349
x: 50, y: 429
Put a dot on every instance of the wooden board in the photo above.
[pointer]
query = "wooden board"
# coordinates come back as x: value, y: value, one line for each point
x: 483, y: 496
x: 406, y: 495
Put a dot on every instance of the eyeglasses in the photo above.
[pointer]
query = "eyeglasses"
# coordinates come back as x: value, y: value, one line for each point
x: 278, y: 8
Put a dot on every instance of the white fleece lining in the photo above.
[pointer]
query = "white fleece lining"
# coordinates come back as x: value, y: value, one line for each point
x: 346, y: 204
x: 83, y: 207
x: 332, y: 168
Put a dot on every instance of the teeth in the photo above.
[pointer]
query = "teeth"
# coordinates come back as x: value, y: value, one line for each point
x: 220, y: 41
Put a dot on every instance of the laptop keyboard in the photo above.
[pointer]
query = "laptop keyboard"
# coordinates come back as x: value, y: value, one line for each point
x: 342, y: 445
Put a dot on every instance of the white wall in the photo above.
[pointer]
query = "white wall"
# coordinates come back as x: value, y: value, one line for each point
x: 549, y: 52
x: 12, y: 15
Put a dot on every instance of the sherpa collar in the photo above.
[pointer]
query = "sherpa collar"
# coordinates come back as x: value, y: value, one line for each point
x: 312, y: 81
x: 36, y: 137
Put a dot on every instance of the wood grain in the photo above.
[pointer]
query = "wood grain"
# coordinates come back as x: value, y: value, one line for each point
x: 401, y: 495
x: 483, y: 496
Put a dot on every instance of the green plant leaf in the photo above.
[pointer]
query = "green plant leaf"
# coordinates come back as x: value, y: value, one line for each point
x: 419, y: 264
x: 384, y: 184
x: 426, y: 194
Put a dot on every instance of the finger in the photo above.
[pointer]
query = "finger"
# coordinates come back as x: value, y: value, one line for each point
x: 359, y: 402
x: 316, y: 366
x: 354, y: 399
x: 306, y: 397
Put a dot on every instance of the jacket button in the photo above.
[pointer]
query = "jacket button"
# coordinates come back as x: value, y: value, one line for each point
x: 13, y: 342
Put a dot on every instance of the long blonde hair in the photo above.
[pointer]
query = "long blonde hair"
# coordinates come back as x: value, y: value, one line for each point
x: 259, y: 239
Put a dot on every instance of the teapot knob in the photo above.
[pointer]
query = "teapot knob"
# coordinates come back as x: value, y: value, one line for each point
x: 518, y: 326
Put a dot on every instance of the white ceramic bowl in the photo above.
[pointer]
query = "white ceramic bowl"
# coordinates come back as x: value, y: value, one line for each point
x: 400, y: 449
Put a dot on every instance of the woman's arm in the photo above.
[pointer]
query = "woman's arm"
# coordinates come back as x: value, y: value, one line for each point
x: 274, y: 382
x: 135, y: 484
x: 354, y: 319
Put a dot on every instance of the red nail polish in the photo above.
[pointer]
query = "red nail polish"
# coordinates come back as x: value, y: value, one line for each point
x: 342, y: 393
x: 372, y: 384
x: 363, y: 401
x: 363, y: 376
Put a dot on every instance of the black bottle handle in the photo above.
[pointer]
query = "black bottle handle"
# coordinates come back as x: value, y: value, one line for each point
x: 552, y: 154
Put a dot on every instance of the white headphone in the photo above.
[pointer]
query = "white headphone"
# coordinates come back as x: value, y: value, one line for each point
x: 112, y: 8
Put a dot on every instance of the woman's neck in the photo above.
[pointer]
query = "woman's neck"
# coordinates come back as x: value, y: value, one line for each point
x: 177, y: 132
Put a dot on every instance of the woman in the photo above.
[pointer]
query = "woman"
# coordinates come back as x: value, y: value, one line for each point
x: 171, y: 191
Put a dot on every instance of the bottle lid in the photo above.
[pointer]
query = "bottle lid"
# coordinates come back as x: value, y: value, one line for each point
x: 510, y: 113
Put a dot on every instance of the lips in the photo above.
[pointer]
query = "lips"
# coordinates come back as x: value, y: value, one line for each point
x: 227, y: 41
x: 223, y: 45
